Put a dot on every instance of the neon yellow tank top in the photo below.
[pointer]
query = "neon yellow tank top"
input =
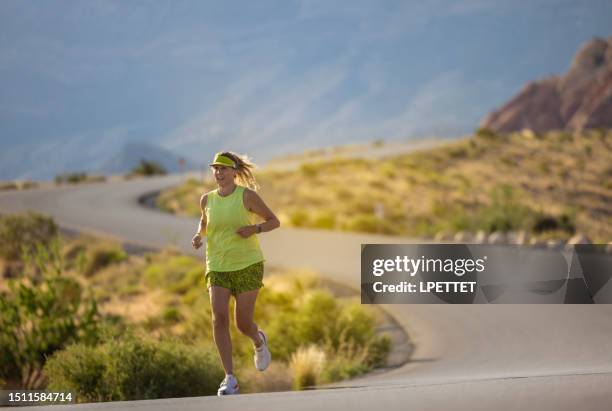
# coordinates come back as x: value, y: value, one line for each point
x: 226, y: 250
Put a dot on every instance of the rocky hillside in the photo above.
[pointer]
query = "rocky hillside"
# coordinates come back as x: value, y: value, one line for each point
x: 550, y: 186
x: 577, y: 100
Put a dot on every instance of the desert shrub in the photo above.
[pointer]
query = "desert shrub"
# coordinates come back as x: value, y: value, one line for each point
x: 128, y: 290
x: 24, y: 232
x: 198, y: 326
x: 324, y: 219
x: 388, y: 170
x: 40, y: 315
x: 369, y: 223
x: 565, y: 137
x: 316, y: 317
x: 544, y: 167
x: 175, y: 273
x: 102, y: 255
x: 459, y: 220
x: 26, y: 184
x: 343, y: 193
x: 8, y: 185
x: 551, y: 223
x: 71, y: 178
x: 134, y: 368
x: 354, y: 324
x: 486, y: 134
x: 341, y: 368
x: 362, y: 222
x: 171, y: 315
x: 79, y: 369
x: 378, y: 351
x: 309, y: 170
x: 299, y: 218
x: 458, y: 152
x: 505, y: 212
x: 320, y: 319
x: 379, y: 184
x: 148, y: 168
x: 192, y: 280
x: 96, y: 179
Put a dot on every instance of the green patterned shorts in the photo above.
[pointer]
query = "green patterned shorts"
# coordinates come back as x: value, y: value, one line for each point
x: 239, y: 281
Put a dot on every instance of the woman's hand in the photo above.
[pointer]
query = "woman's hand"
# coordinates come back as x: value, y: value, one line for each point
x: 246, y: 231
x: 196, y: 241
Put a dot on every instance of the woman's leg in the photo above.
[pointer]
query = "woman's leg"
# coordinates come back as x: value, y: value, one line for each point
x: 219, y: 302
x: 245, y: 308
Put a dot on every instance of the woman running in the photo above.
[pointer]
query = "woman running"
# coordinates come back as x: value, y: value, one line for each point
x: 234, y: 261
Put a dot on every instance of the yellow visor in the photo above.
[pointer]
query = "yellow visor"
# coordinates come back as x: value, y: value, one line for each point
x: 221, y: 160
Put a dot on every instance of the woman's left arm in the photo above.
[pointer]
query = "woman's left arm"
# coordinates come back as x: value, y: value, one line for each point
x: 254, y: 203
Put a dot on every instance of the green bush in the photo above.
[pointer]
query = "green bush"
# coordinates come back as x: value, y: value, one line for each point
x: 325, y: 220
x: 39, y: 316
x: 354, y: 324
x: 457, y: 152
x: 378, y: 351
x: 316, y: 318
x: 321, y: 319
x: 343, y: 331
x: 299, y: 218
x: 175, y: 273
x: 8, y: 185
x: 134, y: 368
x: 543, y: 223
x: 24, y: 232
x: 80, y: 369
x: 342, y: 368
x: 369, y: 223
x: 71, y: 178
x: 363, y: 222
x: 171, y: 315
x: 486, y: 134
x: 102, y: 255
x: 148, y: 168
x: 310, y: 170
x: 388, y: 170
x: 505, y: 212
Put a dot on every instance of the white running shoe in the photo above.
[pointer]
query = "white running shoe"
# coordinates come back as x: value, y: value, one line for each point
x: 262, y: 355
x: 229, y: 386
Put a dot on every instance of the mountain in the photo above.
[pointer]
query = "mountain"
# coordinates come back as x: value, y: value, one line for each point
x: 131, y: 154
x: 579, y: 99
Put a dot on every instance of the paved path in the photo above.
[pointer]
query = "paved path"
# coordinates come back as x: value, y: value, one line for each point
x: 472, y: 357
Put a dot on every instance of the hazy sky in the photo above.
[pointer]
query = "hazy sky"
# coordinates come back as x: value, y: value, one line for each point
x: 79, y: 78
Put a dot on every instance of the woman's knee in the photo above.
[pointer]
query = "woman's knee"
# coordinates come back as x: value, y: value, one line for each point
x: 220, y: 321
x: 245, y: 326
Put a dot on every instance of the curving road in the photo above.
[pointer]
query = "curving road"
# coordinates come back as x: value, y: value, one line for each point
x: 467, y: 357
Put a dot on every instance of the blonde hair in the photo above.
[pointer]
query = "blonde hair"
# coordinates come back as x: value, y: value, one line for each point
x: 244, y: 169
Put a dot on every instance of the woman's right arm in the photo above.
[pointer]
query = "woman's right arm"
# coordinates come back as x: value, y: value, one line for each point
x: 197, y: 238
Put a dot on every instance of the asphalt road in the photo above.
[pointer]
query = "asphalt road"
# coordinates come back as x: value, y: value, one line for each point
x: 467, y: 357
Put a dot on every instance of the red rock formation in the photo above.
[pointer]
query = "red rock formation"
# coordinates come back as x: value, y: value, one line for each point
x: 580, y: 99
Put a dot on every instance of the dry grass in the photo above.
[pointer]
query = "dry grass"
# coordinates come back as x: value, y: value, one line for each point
x: 448, y: 188
x: 307, y: 364
x: 137, y: 308
x: 277, y: 377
